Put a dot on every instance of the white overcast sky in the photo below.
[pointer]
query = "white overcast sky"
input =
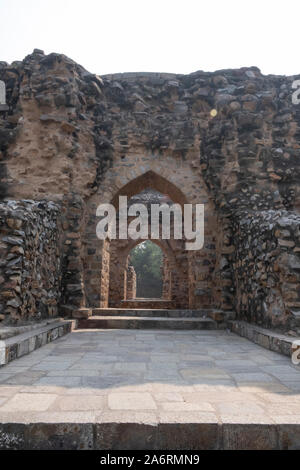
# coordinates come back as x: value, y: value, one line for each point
x: 109, y: 36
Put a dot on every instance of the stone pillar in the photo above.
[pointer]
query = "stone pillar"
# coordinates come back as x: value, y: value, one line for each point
x: 96, y: 261
x: 166, y: 279
x: 2, y: 93
x: 123, y: 284
x: 3, y: 105
x: 131, y: 283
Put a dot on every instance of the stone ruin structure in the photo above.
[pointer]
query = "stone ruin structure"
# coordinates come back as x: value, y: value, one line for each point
x: 70, y: 140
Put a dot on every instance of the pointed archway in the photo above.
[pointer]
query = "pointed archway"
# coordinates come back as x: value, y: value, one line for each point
x: 101, y: 257
x: 151, y: 180
x: 115, y: 273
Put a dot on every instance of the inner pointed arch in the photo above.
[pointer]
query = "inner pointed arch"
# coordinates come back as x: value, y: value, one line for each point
x: 151, y: 180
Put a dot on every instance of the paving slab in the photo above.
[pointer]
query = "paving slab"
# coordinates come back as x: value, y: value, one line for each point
x: 115, y: 389
x: 131, y: 401
x: 29, y: 402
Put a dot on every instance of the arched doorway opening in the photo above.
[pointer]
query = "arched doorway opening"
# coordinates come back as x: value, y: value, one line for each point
x: 173, y: 259
x: 145, y: 271
x: 190, y: 272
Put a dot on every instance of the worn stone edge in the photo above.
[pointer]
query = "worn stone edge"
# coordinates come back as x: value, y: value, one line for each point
x: 24, y: 343
x: 137, y: 435
x: 268, y: 339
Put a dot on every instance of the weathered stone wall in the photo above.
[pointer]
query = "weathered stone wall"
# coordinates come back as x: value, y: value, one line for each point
x: 30, y: 264
x: 72, y: 225
x: 267, y: 267
x: 228, y: 139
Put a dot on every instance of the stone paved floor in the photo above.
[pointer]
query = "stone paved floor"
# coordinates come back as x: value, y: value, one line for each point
x: 151, y: 376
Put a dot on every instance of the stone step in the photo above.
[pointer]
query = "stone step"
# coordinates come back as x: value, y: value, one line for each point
x: 147, y: 303
x: 220, y: 317
x: 125, y: 430
x: 151, y: 312
x: 129, y: 322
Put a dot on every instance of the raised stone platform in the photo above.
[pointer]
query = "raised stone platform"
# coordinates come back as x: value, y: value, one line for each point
x: 19, y: 341
x: 10, y: 331
x: 131, y: 389
x: 266, y: 338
